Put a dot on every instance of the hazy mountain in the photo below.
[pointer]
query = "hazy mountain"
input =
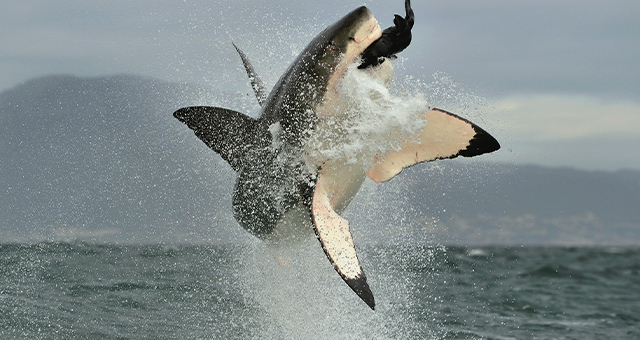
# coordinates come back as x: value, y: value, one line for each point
x: 473, y: 202
x: 104, y: 159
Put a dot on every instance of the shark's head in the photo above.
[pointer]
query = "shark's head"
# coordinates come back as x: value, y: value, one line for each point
x: 311, y: 78
x: 342, y: 43
x: 337, y: 47
x: 350, y: 36
x: 326, y: 58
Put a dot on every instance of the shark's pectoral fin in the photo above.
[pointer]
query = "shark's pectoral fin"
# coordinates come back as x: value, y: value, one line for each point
x: 227, y: 132
x: 444, y: 135
x: 334, y: 235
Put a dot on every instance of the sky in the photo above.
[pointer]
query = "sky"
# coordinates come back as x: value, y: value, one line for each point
x: 556, y: 82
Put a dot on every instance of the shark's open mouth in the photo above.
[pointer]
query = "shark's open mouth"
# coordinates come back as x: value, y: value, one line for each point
x: 367, y: 35
x: 374, y: 32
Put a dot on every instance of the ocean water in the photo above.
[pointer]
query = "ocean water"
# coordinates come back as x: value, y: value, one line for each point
x: 94, y: 291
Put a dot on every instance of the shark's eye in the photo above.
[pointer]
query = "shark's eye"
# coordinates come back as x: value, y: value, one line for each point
x: 352, y: 38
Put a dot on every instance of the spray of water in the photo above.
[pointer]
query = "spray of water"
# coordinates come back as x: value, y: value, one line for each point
x: 295, y: 291
x: 366, y: 120
x: 304, y: 298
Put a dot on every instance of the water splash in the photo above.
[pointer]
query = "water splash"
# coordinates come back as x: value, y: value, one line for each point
x: 298, y: 295
x: 366, y: 120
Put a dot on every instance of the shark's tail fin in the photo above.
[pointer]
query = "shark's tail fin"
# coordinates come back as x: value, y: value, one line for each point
x: 227, y: 132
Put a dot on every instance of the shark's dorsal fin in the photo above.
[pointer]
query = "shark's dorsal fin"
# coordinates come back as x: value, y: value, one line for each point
x: 227, y: 132
x: 444, y: 135
x: 256, y: 83
x: 334, y: 235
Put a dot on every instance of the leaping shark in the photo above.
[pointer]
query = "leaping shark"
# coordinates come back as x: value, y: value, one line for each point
x: 282, y: 183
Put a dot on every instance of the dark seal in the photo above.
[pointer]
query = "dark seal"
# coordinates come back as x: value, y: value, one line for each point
x: 394, y: 40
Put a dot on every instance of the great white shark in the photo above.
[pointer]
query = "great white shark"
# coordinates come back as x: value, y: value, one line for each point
x: 284, y: 182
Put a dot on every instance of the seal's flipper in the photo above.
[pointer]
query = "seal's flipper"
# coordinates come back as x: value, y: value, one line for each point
x: 334, y: 235
x: 227, y: 132
x: 256, y: 83
x: 444, y: 135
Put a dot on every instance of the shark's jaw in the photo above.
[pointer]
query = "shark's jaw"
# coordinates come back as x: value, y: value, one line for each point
x: 367, y: 32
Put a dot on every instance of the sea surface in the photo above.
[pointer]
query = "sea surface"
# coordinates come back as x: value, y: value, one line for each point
x: 94, y: 291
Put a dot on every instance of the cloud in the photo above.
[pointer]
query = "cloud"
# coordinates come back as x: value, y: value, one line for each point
x: 566, y: 130
x: 556, y: 117
x: 541, y: 46
x: 500, y: 46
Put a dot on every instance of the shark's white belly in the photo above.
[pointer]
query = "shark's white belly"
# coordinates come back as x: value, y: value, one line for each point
x: 296, y: 225
x: 345, y: 181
